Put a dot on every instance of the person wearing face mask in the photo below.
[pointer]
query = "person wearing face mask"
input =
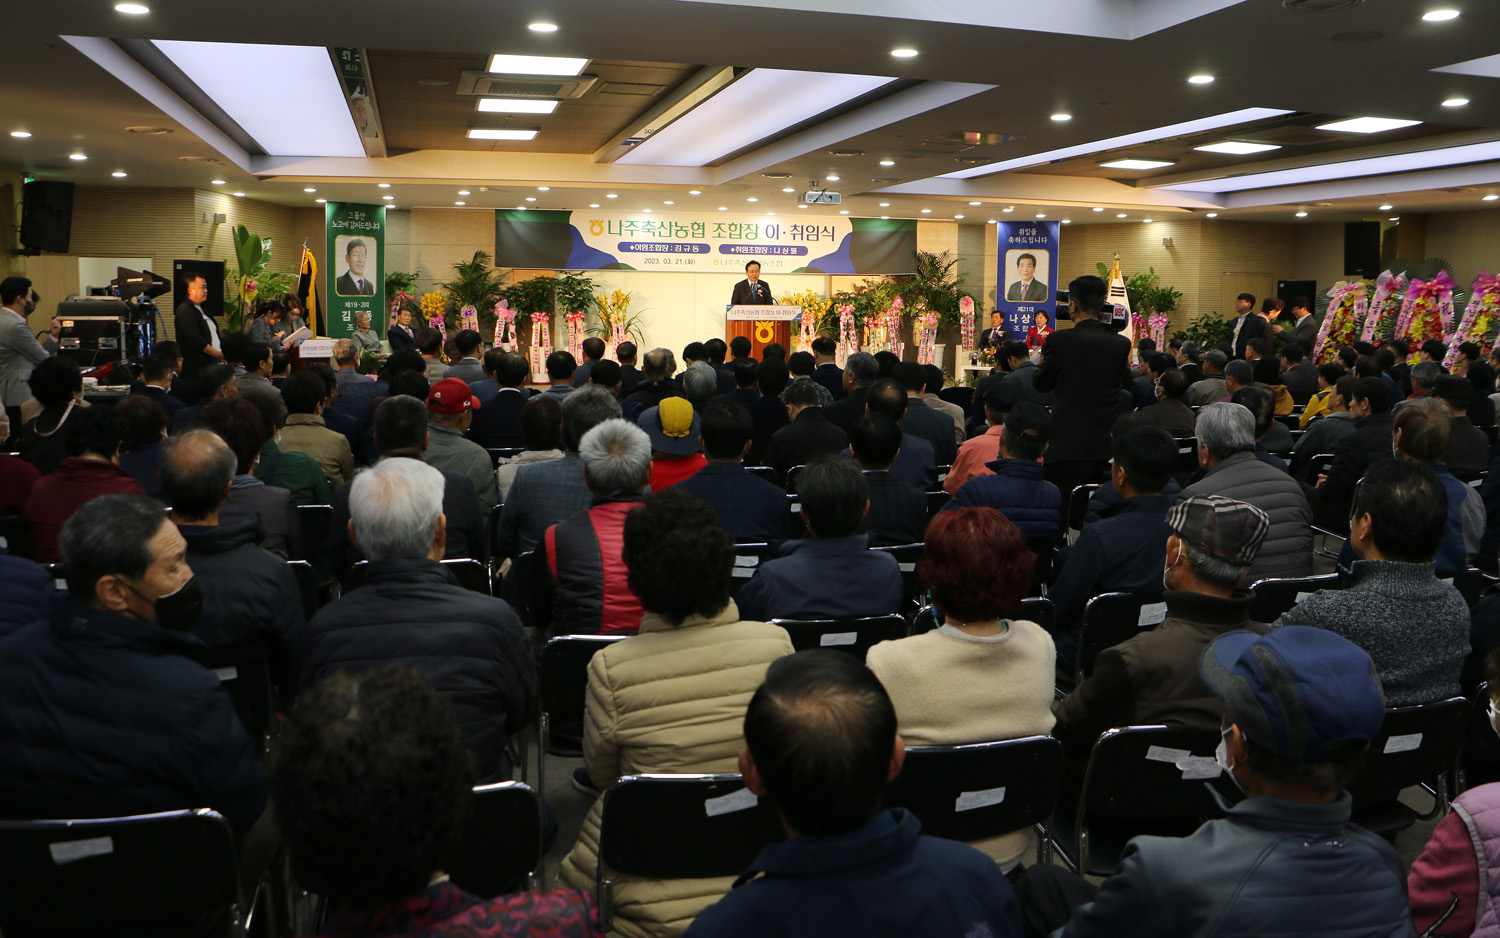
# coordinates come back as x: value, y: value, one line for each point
x: 92, y: 468
x: 103, y: 712
x: 1300, y: 708
x: 19, y: 349
x: 1153, y: 677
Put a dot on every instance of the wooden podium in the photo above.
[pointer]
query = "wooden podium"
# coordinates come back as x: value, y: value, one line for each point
x: 762, y: 325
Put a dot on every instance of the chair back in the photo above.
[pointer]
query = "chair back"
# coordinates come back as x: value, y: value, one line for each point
x: 1271, y: 597
x: 174, y: 873
x: 502, y: 845
x: 1316, y: 466
x: 313, y: 522
x: 1042, y: 569
x: 747, y: 559
x: 1472, y: 584
x: 1111, y: 618
x: 1290, y: 421
x: 564, y: 686
x: 12, y: 535
x: 502, y: 452
x: 533, y: 601
x: 1032, y: 609
x: 791, y: 478
x: 718, y: 826
x: 248, y: 683
x: 935, y: 502
x: 982, y: 790
x: 907, y: 557
x: 942, y: 473
x: 1187, y: 456
x: 470, y: 573
x: 1078, y: 504
x: 495, y: 531
x: 1416, y: 745
x: 762, y: 472
x: 307, y: 585
x: 1150, y: 773
x: 852, y: 636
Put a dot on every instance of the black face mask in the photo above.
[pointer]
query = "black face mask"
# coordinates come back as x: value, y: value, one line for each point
x: 180, y: 610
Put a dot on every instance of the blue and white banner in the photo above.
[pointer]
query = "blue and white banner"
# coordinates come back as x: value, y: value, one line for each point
x: 1028, y: 276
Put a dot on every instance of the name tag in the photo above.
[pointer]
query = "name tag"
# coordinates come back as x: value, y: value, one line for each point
x: 73, y: 850
x: 969, y: 800
x: 838, y: 638
x: 728, y: 804
x: 1151, y: 614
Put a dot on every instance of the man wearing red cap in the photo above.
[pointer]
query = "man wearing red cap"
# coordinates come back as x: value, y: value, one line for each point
x: 450, y: 406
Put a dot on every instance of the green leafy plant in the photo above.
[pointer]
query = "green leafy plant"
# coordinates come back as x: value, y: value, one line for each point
x: 253, y: 254
x: 400, y: 281
x: 477, y: 284
x: 1207, y: 330
x: 936, y: 286
x: 870, y: 297
x: 573, y: 290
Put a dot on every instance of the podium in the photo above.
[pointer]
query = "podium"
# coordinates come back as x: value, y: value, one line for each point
x: 762, y: 325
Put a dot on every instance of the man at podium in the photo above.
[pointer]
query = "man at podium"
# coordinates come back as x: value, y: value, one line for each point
x: 752, y: 291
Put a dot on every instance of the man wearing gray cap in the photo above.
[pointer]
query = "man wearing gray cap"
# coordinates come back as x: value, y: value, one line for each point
x: 1153, y: 677
x: 1300, y: 708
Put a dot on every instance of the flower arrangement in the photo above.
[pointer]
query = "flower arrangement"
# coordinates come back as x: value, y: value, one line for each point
x: 574, y: 321
x: 1346, y: 309
x: 1157, y: 326
x: 927, y: 325
x: 617, y: 325
x: 1479, y: 317
x: 541, y: 341
x: 814, y: 308
x: 505, y: 319
x: 848, y: 333
x: 468, y: 318
x: 893, y: 326
x: 1427, y: 313
x: 966, y: 320
x: 432, y: 306
x: 1385, y: 306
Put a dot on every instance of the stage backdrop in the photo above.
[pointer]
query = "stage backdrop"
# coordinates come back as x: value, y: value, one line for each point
x: 703, y: 243
x: 353, y: 283
x: 1028, y: 274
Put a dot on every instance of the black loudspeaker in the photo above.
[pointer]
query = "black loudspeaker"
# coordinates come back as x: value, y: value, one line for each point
x: 1362, y: 248
x: 1288, y: 291
x: 46, y: 216
x: 210, y: 271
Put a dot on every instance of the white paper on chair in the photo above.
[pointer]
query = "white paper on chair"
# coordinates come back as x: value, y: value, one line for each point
x: 1163, y: 754
x: 72, y: 850
x: 838, y: 638
x: 969, y: 800
x: 1198, y: 767
x: 741, y: 560
x: 226, y: 674
x: 1302, y: 596
x: 1403, y: 743
x: 728, y: 804
x: 1151, y: 614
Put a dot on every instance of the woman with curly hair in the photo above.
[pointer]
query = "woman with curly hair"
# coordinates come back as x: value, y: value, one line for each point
x: 373, y: 787
x: 981, y: 676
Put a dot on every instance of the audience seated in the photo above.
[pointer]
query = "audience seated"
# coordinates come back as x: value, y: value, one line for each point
x: 935, y: 381
x: 1153, y: 677
x: 306, y: 395
x: 356, y: 391
x: 581, y: 554
x: 298, y: 473
x: 333, y: 419
x: 821, y: 745
x: 978, y: 452
x: 808, y: 436
x: 1414, y: 626
x: 1169, y: 412
x: 860, y: 371
x: 92, y: 468
x: 157, y: 371
x: 833, y: 574
x: 1482, y: 384
x: 1424, y: 379
x: 215, y: 383
x: 1300, y: 707
x: 656, y: 370
x: 452, y: 407
x: 1421, y: 432
x: 1019, y: 381
x: 1016, y: 489
x: 487, y: 387
x: 607, y: 375
x: 982, y: 675
x: 1258, y: 401
x: 430, y: 345
x: 745, y: 391
x: 1267, y: 372
x: 467, y: 367
x: 1329, y: 374
x: 102, y: 712
x: 768, y: 414
x: 898, y: 512
x: 749, y: 508
x: 1468, y: 453
x: 140, y: 446
x: 561, y: 366
x: 671, y: 699
x: 826, y: 370
x: 1121, y: 551
x: 593, y: 352
x: 915, y: 464
x: 630, y: 375
x: 700, y: 382
x: 57, y: 385
x: 800, y: 367
x: 1226, y: 452
x: 1212, y: 386
x: 1298, y: 374
x: 673, y: 429
x: 17, y: 476
x: 1324, y: 435
x: 496, y: 424
x: 921, y: 420
x: 238, y: 423
x: 411, y: 610
x: 541, y: 431
x: 1369, y: 406
x: 546, y: 493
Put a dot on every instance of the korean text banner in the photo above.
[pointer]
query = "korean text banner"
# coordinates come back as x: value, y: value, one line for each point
x: 601, y: 240
x: 355, y: 272
x: 1028, y: 275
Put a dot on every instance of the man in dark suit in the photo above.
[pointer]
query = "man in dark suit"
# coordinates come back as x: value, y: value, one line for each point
x: 996, y: 335
x: 749, y: 508
x: 716, y: 350
x: 156, y: 377
x: 898, y: 512
x: 353, y: 282
x: 197, y: 333
x: 752, y: 291
x: 860, y: 371
x: 915, y: 463
x: 1084, y: 369
x: 593, y: 353
x: 808, y: 436
x: 739, y: 351
x: 768, y: 413
x: 1247, y: 325
x: 745, y: 392
x: 630, y: 376
x: 826, y: 371
x: 1305, y: 331
x: 497, y: 424
x: 606, y: 374
x: 1297, y: 373
x: 931, y: 425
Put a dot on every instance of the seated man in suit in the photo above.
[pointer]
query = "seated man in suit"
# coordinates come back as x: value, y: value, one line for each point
x: 921, y: 420
x: 497, y: 423
x: 833, y: 574
x: 1017, y: 489
x: 156, y: 379
x: 808, y: 436
x: 915, y: 463
x: 898, y: 512
x: 745, y: 391
x: 593, y: 353
x: 468, y: 368
x: 606, y: 374
x: 749, y: 508
x: 826, y: 371
x: 996, y: 335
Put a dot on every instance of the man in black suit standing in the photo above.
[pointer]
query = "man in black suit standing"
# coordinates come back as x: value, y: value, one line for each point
x: 826, y: 371
x: 196, y: 332
x: 1247, y: 324
x: 353, y: 282
x: 898, y: 512
x: 752, y: 291
x: 1084, y: 368
x: 995, y: 336
x: 497, y: 424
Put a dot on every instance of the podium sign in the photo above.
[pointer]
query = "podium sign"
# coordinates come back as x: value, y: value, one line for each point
x: 762, y: 325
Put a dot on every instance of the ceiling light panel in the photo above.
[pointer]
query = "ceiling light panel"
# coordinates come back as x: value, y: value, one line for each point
x: 515, y: 106
x: 1373, y: 166
x: 482, y: 133
x: 1237, y: 147
x: 1367, y: 125
x: 536, y: 65
x: 294, y: 107
x: 778, y: 99
x: 1138, y: 164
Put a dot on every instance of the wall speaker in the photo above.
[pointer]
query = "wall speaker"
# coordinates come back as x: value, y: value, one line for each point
x: 46, y: 216
x: 1362, y: 248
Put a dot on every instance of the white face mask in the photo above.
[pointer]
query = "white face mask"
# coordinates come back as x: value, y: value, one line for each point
x: 1221, y: 757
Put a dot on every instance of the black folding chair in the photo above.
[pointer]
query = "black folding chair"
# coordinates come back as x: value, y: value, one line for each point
x: 502, y: 452
x: 763, y: 472
x: 313, y: 522
x: 470, y: 573
x: 563, y: 689
x: 170, y: 874
x: 307, y: 585
x: 501, y: 849
x: 907, y: 557
x: 1290, y: 421
x: 1271, y: 597
x: 1473, y: 584
x: 1187, y: 458
x: 791, y: 477
x: 852, y: 636
x: 1046, y: 560
x: 1417, y: 745
x: 495, y: 558
x: 1139, y: 780
x: 1032, y: 609
x: 248, y: 683
x: 942, y: 473
x: 1111, y: 618
x: 533, y: 599
x: 717, y: 828
x: 747, y: 559
x: 981, y: 790
x: 12, y: 535
x: 797, y: 525
x: 1078, y: 507
x: 936, y: 501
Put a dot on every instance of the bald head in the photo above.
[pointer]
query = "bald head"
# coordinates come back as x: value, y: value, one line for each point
x: 197, y: 468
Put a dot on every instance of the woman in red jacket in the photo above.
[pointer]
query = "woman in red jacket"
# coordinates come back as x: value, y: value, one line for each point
x: 1037, y: 335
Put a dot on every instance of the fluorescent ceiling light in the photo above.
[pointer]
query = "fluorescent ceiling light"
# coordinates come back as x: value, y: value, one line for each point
x: 1440, y: 16
x: 217, y: 182
x: 831, y: 178
x: 309, y: 190
x: 1373, y: 166
x: 1237, y: 148
x: 20, y: 134
x: 1217, y: 121
x: 887, y: 162
x: 134, y: 9
x: 536, y: 65
x: 321, y: 201
x: 1200, y: 79
x: 463, y: 192
x: 1301, y: 214
x: 1062, y: 118
x: 79, y: 157
x: 593, y: 205
x: 1212, y: 215
x: 903, y: 53
x: 118, y: 174
x: 1489, y: 198
x: 515, y: 106
x: 1367, y: 125
x: 1455, y: 102
x: 294, y: 107
x: 1099, y: 209
x: 480, y: 133
x: 460, y: 203
x: 1138, y: 164
x: 779, y: 98
x: 382, y: 185
x: 542, y: 27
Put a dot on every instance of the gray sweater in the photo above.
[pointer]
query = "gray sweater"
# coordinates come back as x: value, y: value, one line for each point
x: 1412, y: 625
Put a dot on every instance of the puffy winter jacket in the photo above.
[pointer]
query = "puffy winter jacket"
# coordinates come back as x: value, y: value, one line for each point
x: 1287, y: 549
x: 26, y: 589
x: 1018, y: 491
x: 472, y: 647
x: 1453, y: 884
x: 583, y: 560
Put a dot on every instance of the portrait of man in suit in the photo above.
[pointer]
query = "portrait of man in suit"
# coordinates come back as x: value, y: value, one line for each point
x: 752, y: 291
x: 354, y: 281
x: 1027, y: 289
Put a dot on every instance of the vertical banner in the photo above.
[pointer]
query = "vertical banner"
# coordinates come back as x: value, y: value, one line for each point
x: 1028, y: 276
x: 356, y: 267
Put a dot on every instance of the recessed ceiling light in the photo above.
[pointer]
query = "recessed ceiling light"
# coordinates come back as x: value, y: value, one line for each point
x: 695, y: 192
x: 140, y: 9
x: 1099, y: 209
x: 903, y: 53
x: 1062, y: 118
x: 1122, y: 215
x: 1386, y: 208
x: 610, y: 195
x: 884, y: 217
x: 1489, y: 198
x: 1067, y: 221
x: 831, y: 178
x: 1455, y: 102
x: 118, y: 174
x: 958, y: 216
x: 463, y: 192
x: 239, y: 195
x: 482, y: 133
x: 309, y: 190
x: 992, y: 221
x: 536, y: 65
x: 216, y: 182
x: 22, y: 134
x: 976, y: 203
x: 460, y: 203
x: 593, y: 205
x: 647, y: 210
x: 926, y: 211
x: 1041, y: 214
x: 387, y: 197
x: 1145, y: 221
x: 544, y: 188
x: 542, y: 27
x: 887, y: 162
x: 1200, y: 79
x: 802, y: 206
x: 723, y: 208
x: 520, y: 208
x: 515, y: 106
x: 531, y: 198
x: 752, y: 199
x: 1137, y: 164
x: 842, y: 211
x: 885, y: 205
x: 1212, y: 215
x: 1431, y: 16
x: 382, y: 185
x: 1010, y: 208
x: 788, y: 189
x: 79, y: 157
x: 770, y: 213
x: 1394, y: 218
x: 669, y: 202
x: 321, y: 201
x: 1367, y: 125
x: 1301, y: 214
x: 1237, y: 147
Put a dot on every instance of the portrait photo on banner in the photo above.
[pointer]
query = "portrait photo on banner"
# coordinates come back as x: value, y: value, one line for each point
x: 1024, y: 273
x: 357, y: 262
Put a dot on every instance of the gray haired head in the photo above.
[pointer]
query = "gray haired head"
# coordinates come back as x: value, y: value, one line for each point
x: 395, y: 506
x: 585, y: 409
x: 617, y: 457
x: 1241, y: 371
x: 700, y: 382
x: 864, y: 368
x: 108, y: 535
x: 1226, y: 429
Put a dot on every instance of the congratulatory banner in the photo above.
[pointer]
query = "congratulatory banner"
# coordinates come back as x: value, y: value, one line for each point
x: 720, y: 242
x: 355, y: 270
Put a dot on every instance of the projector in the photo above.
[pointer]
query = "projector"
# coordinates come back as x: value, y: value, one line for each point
x: 822, y: 197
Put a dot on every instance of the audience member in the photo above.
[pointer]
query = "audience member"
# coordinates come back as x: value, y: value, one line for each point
x: 541, y: 430
x: 1421, y: 433
x: 739, y: 348
x: 1169, y: 412
x: 357, y: 392
x: 1325, y: 434
x: 745, y: 391
x: 157, y: 372
x: 487, y: 387
x: 749, y: 508
x: 561, y: 366
x: 1019, y: 382
x: 700, y: 383
x: 654, y: 385
x: 430, y: 345
x: 1317, y: 405
x: 593, y: 349
x: 496, y: 424
x: 306, y: 395
x: 826, y: 371
x: 1213, y: 385
x: 1267, y: 372
x: 1298, y: 374
x: 215, y: 383
x: 1468, y: 452
x: 468, y: 368
x: 17, y: 476
x: 332, y: 419
x: 673, y: 428
x: 975, y: 455
x: 411, y: 610
x: 821, y: 745
x: 1369, y: 406
x: 141, y: 443
x: 452, y: 409
x: 606, y: 374
x: 57, y: 385
x: 1482, y: 383
x: 916, y: 464
x: 723, y: 374
x: 769, y: 413
x: 256, y: 381
x: 1424, y: 379
x: 1017, y: 488
x: 630, y: 376
x: 898, y: 512
x: 298, y: 473
x: 809, y: 434
x: 1258, y: 401
x: 1186, y: 351
x: 238, y: 423
x: 672, y: 698
x: 860, y: 371
x: 935, y: 381
x: 922, y: 420
x: 91, y: 469
x: 26, y: 591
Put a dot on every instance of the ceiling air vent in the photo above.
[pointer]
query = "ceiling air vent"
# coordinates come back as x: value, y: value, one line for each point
x: 523, y: 86
x: 846, y: 152
x: 631, y: 88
